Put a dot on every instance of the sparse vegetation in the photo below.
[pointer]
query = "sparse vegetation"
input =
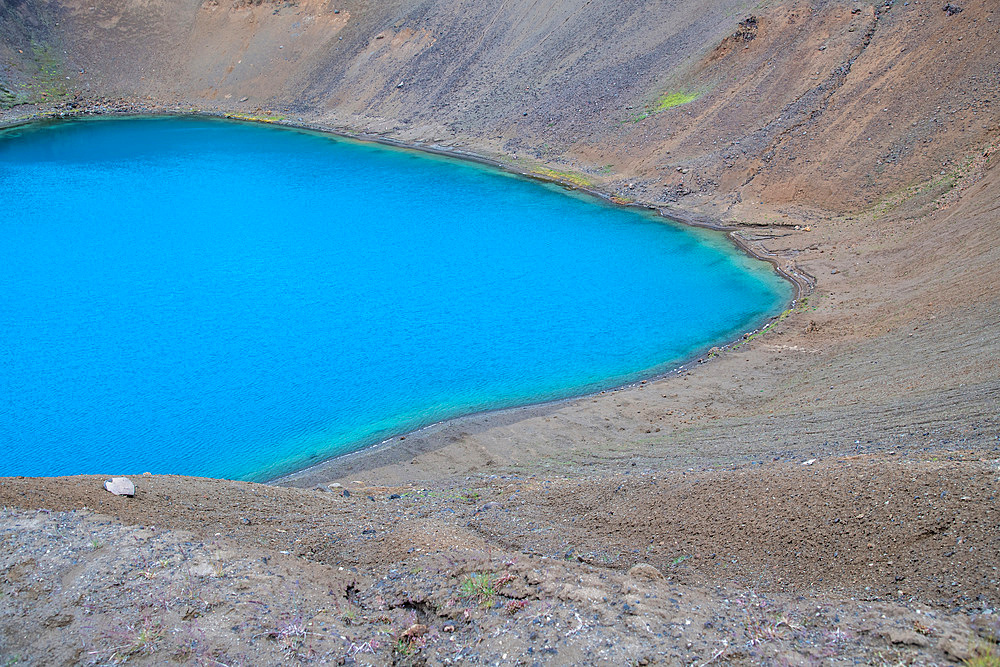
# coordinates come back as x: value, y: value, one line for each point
x: 564, y: 177
x: 138, y: 641
x: 7, y: 97
x: 986, y: 655
x: 261, y: 117
x: 49, y: 82
x: 671, y: 100
x: 479, y: 587
x: 665, y: 102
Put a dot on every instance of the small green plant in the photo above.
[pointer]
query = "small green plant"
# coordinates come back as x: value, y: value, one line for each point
x: 677, y: 561
x: 404, y: 648
x: 479, y: 587
x: 95, y: 544
x: 411, y: 640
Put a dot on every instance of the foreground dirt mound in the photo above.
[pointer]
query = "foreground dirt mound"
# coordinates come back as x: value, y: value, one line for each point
x: 836, y: 561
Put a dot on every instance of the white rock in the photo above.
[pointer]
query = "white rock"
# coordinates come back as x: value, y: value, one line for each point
x: 120, y: 486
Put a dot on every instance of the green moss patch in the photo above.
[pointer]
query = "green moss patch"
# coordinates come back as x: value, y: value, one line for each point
x: 671, y: 100
x: 7, y: 98
x: 666, y: 101
x: 263, y: 117
x: 49, y: 83
x: 567, y: 177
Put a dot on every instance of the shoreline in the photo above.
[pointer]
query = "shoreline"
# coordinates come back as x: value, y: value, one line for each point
x: 802, y: 283
x: 423, y: 437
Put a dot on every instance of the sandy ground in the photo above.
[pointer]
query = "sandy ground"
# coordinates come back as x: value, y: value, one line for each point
x: 823, y: 492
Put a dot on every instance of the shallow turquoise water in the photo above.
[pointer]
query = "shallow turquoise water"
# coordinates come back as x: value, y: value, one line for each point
x: 229, y: 300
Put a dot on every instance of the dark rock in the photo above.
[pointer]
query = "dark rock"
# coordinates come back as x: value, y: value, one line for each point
x: 951, y: 9
x: 747, y: 30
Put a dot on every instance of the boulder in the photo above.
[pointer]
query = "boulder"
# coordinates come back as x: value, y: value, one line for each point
x: 120, y: 486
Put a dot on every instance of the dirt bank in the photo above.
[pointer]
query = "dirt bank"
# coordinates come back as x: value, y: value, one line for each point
x: 852, y: 559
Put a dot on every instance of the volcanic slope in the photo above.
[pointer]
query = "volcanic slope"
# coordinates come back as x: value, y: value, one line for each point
x: 821, y: 493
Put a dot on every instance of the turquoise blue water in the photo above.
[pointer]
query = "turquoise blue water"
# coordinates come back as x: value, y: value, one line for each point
x: 230, y: 300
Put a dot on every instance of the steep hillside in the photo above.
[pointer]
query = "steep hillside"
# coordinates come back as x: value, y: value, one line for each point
x: 822, y: 103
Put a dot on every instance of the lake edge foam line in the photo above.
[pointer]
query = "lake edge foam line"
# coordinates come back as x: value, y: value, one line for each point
x: 801, y: 284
